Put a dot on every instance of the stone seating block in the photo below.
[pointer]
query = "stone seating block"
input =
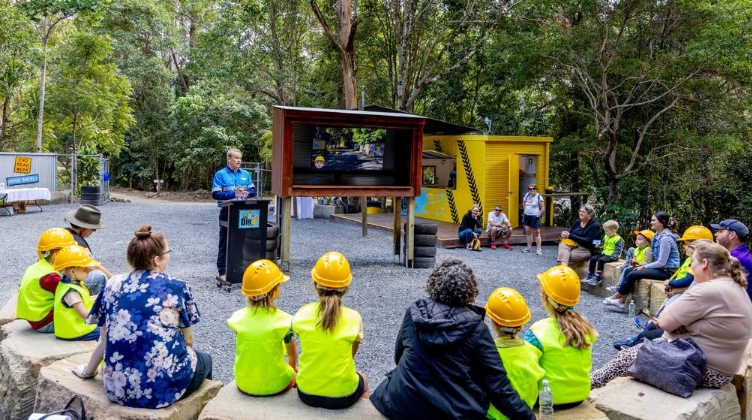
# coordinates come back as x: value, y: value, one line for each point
x: 231, y: 404
x: 657, y: 296
x: 641, y: 293
x: 580, y: 267
x: 57, y: 385
x: 743, y: 383
x: 584, y: 411
x: 610, y: 277
x: 628, y: 399
x: 23, y: 353
x: 8, y: 312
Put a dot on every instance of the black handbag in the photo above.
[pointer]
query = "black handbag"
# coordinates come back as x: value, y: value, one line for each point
x: 68, y: 411
x: 673, y: 366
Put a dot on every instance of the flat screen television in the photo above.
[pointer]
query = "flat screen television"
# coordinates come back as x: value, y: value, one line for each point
x: 347, y: 149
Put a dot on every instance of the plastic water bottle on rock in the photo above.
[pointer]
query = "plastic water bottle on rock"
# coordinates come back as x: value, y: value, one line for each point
x: 545, y: 403
x: 631, y: 309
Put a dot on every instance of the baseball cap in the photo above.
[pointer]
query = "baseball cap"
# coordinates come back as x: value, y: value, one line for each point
x: 733, y: 225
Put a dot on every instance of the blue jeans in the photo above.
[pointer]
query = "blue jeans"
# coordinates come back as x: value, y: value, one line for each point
x: 467, y: 235
x: 222, y: 246
x: 92, y: 336
x: 203, y: 371
x: 49, y: 328
x: 647, y: 273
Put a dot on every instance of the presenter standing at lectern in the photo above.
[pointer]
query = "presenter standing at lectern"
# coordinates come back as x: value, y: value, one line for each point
x: 230, y: 183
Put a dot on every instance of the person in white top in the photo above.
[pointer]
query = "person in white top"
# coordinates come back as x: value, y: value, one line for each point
x: 499, y: 227
x: 532, y: 203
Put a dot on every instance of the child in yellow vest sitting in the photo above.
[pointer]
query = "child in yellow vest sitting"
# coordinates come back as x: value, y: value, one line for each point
x: 36, y: 295
x: 611, y: 249
x: 263, y: 333
x: 72, y: 299
x: 329, y: 335
x: 566, y: 338
x: 508, y: 312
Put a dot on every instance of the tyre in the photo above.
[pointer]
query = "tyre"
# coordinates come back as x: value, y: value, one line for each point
x: 272, y: 231
x: 421, y: 251
x: 423, y: 228
x: 425, y: 240
x: 420, y: 262
x: 271, y: 244
x: 272, y: 255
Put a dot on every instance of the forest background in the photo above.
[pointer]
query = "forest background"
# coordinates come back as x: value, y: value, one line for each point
x: 648, y: 101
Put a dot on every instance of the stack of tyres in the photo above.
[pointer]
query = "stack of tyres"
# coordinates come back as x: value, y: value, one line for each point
x: 424, y: 250
x: 272, y: 244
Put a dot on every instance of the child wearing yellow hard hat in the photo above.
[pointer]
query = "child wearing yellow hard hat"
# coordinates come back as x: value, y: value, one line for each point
x: 260, y: 368
x: 636, y: 256
x: 329, y: 335
x: 36, y: 295
x: 508, y: 312
x: 72, y: 299
x: 566, y: 338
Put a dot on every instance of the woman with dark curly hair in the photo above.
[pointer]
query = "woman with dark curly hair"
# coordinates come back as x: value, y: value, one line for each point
x: 447, y: 363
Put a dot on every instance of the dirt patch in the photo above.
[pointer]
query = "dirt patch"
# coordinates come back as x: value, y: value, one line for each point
x: 202, y: 196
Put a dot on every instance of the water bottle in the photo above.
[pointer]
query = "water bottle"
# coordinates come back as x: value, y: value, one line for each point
x: 631, y: 309
x: 545, y: 403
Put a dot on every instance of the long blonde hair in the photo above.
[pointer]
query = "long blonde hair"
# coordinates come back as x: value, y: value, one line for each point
x: 572, y: 324
x: 330, y: 301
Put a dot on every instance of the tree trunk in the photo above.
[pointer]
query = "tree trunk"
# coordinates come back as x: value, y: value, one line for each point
x: 4, y: 123
x: 347, y: 57
x: 42, y: 80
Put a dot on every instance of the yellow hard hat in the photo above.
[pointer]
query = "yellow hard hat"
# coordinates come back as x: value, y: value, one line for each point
x: 332, y: 270
x: 569, y: 242
x: 507, y: 307
x: 73, y: 256
x: 696, y: 232
x: 55, y: 238
x: 646, y: 233
x: 319, y: 159
x: 561, y: 284
x: 260, y: 277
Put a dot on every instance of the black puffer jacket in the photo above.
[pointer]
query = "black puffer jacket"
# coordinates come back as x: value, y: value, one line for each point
x: 447, y: 368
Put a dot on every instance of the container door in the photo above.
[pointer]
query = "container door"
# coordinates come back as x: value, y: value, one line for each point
x: 513, y: 179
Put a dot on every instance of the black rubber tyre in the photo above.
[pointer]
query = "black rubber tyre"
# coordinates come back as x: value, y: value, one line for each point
x: 419, y: 262
x: 272, y: 255
x: 272, y: 231
x: 423, y: 228
x: 271, y: 244
x: 425, y: 240
x: 424, y: 251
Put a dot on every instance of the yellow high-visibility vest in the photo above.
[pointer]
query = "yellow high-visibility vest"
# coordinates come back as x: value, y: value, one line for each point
x: 34, y: 303
x: 68, y: 323
x: 523, y: 371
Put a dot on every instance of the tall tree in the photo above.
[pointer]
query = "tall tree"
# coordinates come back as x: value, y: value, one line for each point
x: 638, y: 64
x: 342, y: 40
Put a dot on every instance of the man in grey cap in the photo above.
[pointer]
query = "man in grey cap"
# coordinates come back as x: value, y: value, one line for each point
x: 731, y: 234
x: 84, y: 221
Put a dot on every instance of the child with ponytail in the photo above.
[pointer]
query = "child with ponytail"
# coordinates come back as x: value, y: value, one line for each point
x: 566, y: 338
x: 329, y: 335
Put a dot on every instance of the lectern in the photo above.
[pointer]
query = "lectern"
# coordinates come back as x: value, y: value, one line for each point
x: 246, y: 235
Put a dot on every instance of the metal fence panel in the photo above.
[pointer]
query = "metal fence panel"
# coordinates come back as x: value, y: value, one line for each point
x: 43, y: 164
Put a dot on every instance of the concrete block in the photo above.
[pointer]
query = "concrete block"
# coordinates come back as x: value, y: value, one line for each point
x: 580, y: 267
x: 657, y: 296
x: 8, y: 312
x: 743, y: 383
x: 231, y: 404
x: 324, y: 211
x: 641, y: 293
x: 628, y: 399
x: 610, y: 277
x: 23, y: 353
x: 584, y: 411
x: 57, y: 385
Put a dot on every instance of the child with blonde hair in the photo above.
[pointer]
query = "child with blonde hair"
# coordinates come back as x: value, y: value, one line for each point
x: 508, y: 312
x: 260, y: 368
x: 329, y: 335
x: 611, y: 249
x: 638, y: 255
x: 566, y: 338
x: 72, y: 299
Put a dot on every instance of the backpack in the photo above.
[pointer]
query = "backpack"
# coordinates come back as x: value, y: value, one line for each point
x: 475, y: 244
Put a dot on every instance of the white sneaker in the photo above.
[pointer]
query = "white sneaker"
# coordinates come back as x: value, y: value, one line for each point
x: 527, y: 249
x: 539, y: 252
x: 613, y: 302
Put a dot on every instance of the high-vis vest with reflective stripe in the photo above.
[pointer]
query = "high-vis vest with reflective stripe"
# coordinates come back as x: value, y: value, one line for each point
x: 326, y: 366
x: 260, y: 367
x: 68, y: 323
x: 567, y: 368
x: 683, y: 270
x: 34, y: 303
x: 640, y: 254
x: 523, y: 371
x: 609, y: 245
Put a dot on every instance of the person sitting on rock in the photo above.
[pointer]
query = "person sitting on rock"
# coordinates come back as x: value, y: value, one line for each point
x: 72, y: 299
x: 36, y: 295
x: 84, y: 221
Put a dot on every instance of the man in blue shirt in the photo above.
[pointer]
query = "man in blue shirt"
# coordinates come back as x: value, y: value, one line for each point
x: 230, y: 183
x: 731, y: 235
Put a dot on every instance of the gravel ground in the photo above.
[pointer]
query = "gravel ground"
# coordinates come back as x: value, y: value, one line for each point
x: 380, y: 291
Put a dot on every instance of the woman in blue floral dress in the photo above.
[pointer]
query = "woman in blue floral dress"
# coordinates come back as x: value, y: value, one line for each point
x: 146, y: 320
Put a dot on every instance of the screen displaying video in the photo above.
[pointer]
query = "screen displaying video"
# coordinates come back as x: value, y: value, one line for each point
x: 348, y: 149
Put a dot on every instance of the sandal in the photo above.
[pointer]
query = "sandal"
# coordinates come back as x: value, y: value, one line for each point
x: 80, y: 372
